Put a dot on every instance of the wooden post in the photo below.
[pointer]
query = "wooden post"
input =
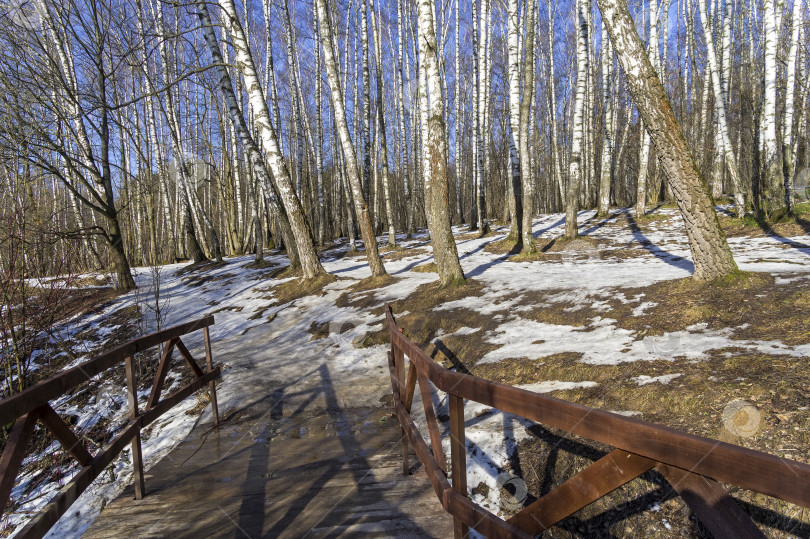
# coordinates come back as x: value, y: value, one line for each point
x: 212, y: 388
x: 458, y: 458
x: 399, y: 364
x: 137, y: 459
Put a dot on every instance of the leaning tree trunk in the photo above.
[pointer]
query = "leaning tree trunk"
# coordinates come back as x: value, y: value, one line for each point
x: 435, y: 152
x: 349, y: 154
x: 242, y: 131
x: 710, y: 251
x: 310, y: 265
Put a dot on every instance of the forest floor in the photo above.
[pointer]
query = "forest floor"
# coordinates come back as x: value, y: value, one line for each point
x: 611, y: 320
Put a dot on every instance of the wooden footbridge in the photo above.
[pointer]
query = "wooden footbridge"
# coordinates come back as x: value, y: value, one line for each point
x: 277, y: 467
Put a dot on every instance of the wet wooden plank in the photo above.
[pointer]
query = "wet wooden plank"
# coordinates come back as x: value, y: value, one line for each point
x: 271, y: 486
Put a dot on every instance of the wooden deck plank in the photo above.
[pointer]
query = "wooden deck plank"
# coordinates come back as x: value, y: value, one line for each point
x: 248, y: 480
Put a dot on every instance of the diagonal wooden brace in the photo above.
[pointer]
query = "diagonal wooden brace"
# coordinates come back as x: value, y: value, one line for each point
x: 189, y: 358
x: 433, y: 426
x: 160, y: 376
x: 603, y: 476
x: 62, y: 432
x: 14, y: 453
x: 711, y: 504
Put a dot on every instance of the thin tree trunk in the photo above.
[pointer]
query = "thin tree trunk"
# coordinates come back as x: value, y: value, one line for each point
x: 774, y: 196
x: 607, y: 134
x: 381, y: 129
x: 575, y: 166
x: 515, y: 192
x: 720, y: 99
x: 527, y: 211
x: 349, y: 154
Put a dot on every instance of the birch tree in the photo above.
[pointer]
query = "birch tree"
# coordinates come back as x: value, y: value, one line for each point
x: 349, y: 153
x: 710, y: 251
x: 606, y: 171
x: 381, y: 128
x: 774, y: 182
x: 513, y: 36
x: 310, y: 265
x: 575, y: 165
x: 525, y: 121
x: 246, y: 139
x: 435, y: 152
x: 788, y: 165
x: 720, y: 100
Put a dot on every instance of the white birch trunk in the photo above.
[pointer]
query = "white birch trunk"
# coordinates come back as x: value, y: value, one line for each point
x: 774, y: 184
x: 310, y: 265
x: 349, y: 154
x: 607, y: 133
x: 381, y: 129
x: 435, y: 152
x: 788, y: 168
x: 513, y: 55
x: 720, y: 99
x: 575, y: 165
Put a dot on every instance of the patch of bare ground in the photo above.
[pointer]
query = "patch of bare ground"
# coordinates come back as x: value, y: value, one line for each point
x: 208, y: 265
x: 476, y: 234
x: 752, y: 304
x: 419, y: 322
x: 270, y: 274
x: 294, y: 289
x: 796, y: 225
x: 261, y: 264
x: 430, y: 267
x: 399, y: 253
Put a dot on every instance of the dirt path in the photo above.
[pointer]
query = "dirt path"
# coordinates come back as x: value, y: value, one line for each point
x: 294, y: 463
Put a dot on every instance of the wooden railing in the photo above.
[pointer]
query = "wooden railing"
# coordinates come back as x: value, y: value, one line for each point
x: 693, y: 465
x: 33, y: 404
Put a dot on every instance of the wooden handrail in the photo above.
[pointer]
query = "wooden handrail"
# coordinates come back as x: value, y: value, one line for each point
x: 642, y: 445
x: 35, y: 396
x: 33, y: 404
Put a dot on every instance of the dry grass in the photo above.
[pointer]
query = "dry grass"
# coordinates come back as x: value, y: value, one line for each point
x: 294, y: 289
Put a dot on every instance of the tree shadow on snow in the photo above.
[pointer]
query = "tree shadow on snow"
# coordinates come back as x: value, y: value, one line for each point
x: 644, y: 241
